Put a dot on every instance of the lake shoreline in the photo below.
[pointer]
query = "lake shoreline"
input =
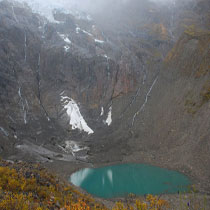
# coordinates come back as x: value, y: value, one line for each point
x: 65, y: 167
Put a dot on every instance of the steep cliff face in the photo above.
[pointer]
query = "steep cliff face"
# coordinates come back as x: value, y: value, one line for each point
x: 57, y: 76
x: 134, y: 89
x: 166, y: 121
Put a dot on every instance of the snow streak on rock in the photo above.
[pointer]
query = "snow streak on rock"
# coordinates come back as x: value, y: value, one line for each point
x: 23, y: 106
x: 145, y: 102
x: 12, y: 119
x: 4, y: 131
x: 85, y: 32
x: 25, y: 47
x: 38, y: 78
x: 109, y: 117
x: 65, y: 38
x: 39, y: 61
x: 102, y: 111
x: 99, y: 41
x: 14, y: 15
x: 76, y: 119
x: 132, y: 101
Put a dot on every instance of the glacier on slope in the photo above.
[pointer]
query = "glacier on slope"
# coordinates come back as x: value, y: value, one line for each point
x: 76, y: 119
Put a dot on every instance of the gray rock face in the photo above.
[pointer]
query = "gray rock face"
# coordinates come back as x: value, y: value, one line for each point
x: 149, y: 80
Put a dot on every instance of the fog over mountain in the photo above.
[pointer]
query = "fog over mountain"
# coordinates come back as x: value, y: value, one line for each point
x: 118, y: 14
x: 92, y: 6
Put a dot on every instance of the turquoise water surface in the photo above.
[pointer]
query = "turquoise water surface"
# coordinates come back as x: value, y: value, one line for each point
x: 120, y: 180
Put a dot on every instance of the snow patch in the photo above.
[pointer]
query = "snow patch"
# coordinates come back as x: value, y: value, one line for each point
x: 89, y: 34
x: 102, y: 111
x: 76, y: 119
x: 109, y: 117
x: 78, y: 30
x: 66, y: 48
x: 105, y: 56
x: 65, y: 38
x: 74, y: 147
x: 99, y: 41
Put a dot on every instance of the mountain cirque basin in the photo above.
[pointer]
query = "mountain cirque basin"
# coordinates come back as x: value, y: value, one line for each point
x: 123, y: 179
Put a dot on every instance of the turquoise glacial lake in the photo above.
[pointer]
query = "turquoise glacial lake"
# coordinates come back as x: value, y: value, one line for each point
x: 121, y: 180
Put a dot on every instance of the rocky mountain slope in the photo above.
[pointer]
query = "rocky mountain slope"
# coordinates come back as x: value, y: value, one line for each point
x: 129, y: 85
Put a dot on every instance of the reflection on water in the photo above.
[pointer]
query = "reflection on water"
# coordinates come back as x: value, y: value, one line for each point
x: 120, y: 180
x: 84, y: 175
x: 103, y: 181
x: 79, y: 178
x: 110, y: 176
